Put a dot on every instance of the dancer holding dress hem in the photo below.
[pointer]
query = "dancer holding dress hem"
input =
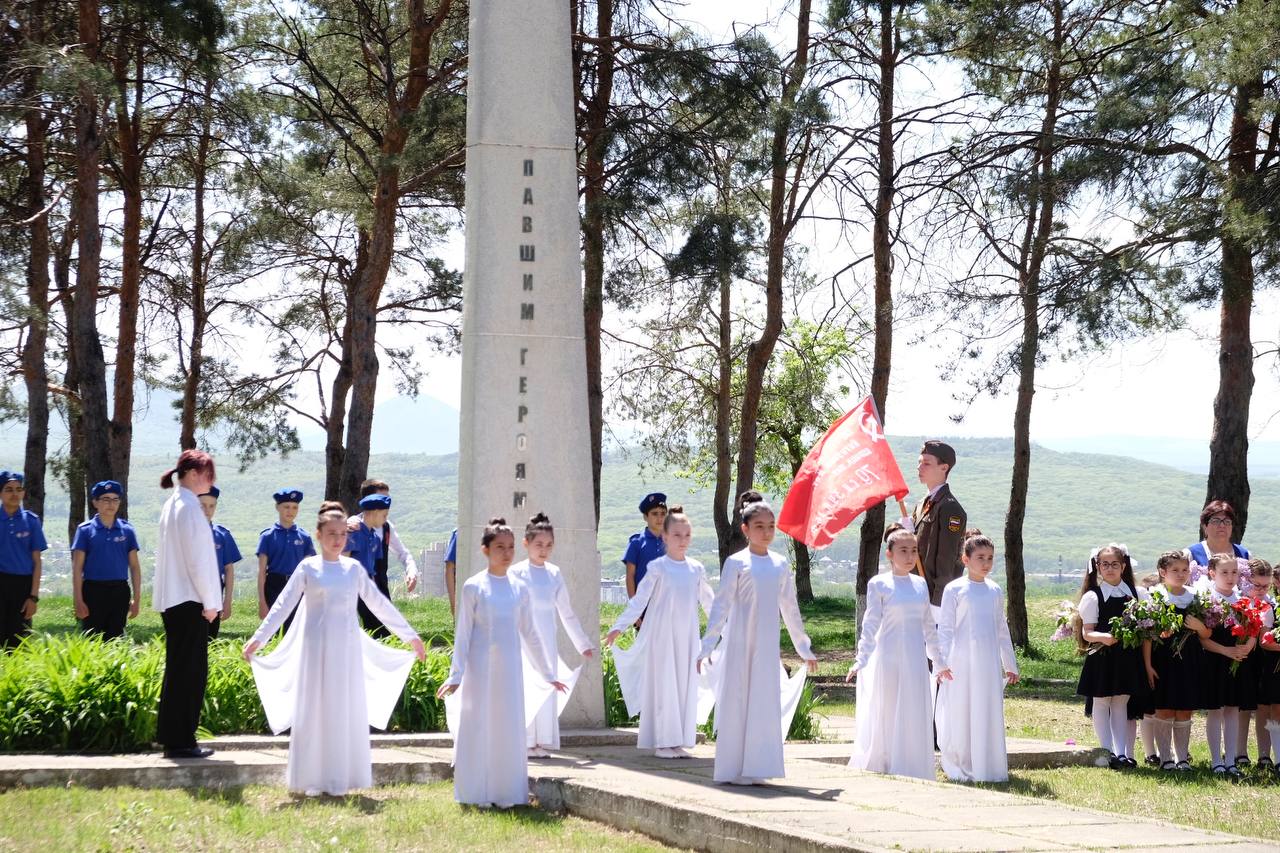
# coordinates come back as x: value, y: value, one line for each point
x: 658, y: 674
x: 328, y: 681
x: 756, y: 587
x: 894, y: 709
x: 490, y: 764
x: 550, y: 599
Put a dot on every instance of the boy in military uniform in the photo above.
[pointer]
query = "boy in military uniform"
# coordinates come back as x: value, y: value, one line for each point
x: 647, y: 544
x: 104, y: 559
x: 228, y: 555
x: 21, y: 543
x: 280, y: 548
x: 939, y: 522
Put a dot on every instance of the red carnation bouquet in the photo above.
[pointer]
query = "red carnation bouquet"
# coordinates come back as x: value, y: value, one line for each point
x: 1245, y: 621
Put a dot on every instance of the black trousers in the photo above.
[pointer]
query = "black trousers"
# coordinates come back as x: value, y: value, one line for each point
x: 186, y: 673
x: 14, y: 590
x: 216, y: 624
x: 370, y: 622
x: 108, y: 603
x: 273, y: 586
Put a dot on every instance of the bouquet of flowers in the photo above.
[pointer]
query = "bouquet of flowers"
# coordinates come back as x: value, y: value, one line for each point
x: 1151, y: 619
x: 1064, y: 615
x: 1198, y: 573
x: 1209, y: 609
x: 1245, y: 620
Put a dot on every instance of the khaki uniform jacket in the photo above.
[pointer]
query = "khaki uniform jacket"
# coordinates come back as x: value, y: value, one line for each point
x: 940, y: 525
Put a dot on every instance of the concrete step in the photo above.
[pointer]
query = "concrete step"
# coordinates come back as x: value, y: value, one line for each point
x: 569, y: 738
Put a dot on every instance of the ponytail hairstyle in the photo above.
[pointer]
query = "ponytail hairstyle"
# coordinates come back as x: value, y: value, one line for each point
x: 750, y: 496
x: 190, y: 460
x: 539, y: 524
x: 330, y: 511
x: 897, y: 533
x: 1090, y: 584
x: 496, y: 527
x: 751, y: 508
x: 892, y: 529
x: 975, y: 539
x: 675, y: 513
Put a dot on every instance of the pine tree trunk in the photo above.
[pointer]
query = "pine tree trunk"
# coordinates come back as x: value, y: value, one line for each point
x: 1229, y: 445
x: 91, y: 369
x: 596, y: 148
x: 199, y: 278
x: 75, y: 477
x: 34, y: 371
x: 724, y: 409
x: 872, y: 534
x: 128, y: 130
x: 760, y: 351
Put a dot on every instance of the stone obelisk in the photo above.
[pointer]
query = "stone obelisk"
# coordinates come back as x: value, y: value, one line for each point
x: 525, y: 441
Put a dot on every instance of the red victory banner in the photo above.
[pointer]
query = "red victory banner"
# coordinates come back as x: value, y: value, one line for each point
x: 848, y: 471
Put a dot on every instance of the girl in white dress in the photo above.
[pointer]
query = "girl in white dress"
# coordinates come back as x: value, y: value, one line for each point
x: 328, y: 681
x: 658, y: 674
x: 550, y: 598
x: 973, y: 635
x: 494, y: 615
x: 756, y: 586
x: 895, y: 693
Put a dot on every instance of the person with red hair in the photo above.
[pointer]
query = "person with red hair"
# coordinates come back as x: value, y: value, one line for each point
x: 188, y: 595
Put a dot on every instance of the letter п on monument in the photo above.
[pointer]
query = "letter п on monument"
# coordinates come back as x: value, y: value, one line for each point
x: 521, y: 145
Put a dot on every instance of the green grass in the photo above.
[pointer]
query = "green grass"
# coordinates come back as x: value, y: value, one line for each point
x: 259, y: 818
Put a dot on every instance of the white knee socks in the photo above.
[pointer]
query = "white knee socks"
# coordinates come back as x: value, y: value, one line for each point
x: 1102, y: 723
x: 1149, y: 728
x: 1162, y: 734
x: 1242, y: 736
x: 1222, y: 728
x: 1182, y: 740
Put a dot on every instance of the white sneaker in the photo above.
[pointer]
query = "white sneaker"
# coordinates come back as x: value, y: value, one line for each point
x: 681, y: 752
x: 666, y: 752
x: 538, y: 752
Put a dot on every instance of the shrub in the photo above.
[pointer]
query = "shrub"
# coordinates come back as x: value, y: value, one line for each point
x: 78, y: 693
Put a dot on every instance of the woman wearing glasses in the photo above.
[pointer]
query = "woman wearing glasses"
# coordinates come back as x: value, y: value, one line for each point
x: 1217, y: 522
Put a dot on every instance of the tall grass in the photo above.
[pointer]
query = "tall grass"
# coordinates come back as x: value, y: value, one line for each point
x: 76, y: 693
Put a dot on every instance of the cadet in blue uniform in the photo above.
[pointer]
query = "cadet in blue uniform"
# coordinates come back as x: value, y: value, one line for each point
x: 280, y: 548
x: 104, y: 560
x: 228, y: 555
x: 364, y: 545
x: 451, y: 570
x: 21, y: 541
x: 647, y: 544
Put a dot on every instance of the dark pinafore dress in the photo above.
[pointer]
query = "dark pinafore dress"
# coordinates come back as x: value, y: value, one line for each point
x: 1221, y: 688
x: 1178, y: 687
x: 1112, y: 670
x: 1268, y: 674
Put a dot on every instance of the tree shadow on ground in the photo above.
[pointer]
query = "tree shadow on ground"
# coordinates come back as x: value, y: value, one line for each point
x: 351, y: 802
x: 230, y: 795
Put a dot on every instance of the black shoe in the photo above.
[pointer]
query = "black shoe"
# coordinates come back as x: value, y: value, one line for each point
x: 1242, y: 761
x: 189, y: 752
x: 1115, y: 762
x: 1265, y: 763
x: 1152, y: 760
x: 1129, y: 762
x: 1235, y: 774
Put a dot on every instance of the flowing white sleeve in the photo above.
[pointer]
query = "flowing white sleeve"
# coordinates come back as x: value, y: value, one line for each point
x: 638, y: 602
x: 397, y: 547
x: 467, y: 603
x: 947, y: 619
x: 285, y: 602
x: 870, y: 624
x: 1088, y: 608
x: 1008, y: 659
x: 539, y: 655
x: 706, y: 595
x: 721, y: 606
x: 568, y: 618
x: 931, y: 647
x: 382, y: 607
x: 791, y: 617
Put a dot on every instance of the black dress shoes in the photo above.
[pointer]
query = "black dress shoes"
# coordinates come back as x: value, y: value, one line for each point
x: 189, y: 752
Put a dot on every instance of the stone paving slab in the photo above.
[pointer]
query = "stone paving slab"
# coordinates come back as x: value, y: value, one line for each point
x: 569, y: 738
x: 820, y: 806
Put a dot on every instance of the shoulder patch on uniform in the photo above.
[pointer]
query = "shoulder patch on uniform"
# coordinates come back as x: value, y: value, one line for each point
x: 955, y: 523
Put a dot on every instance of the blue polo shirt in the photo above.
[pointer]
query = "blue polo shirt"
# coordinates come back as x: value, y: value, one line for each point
x: 106, y: 549
x: 20, y: 535
x: 284, y: 548
x: 366, y: 547
x: 641, y: 548
x: 228, y: 551
x: 451, y: 553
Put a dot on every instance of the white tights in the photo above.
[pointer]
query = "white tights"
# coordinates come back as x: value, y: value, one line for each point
x: 1222, y: 727
x: 1111, y: 724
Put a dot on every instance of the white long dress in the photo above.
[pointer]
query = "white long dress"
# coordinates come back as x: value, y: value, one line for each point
x: 489, y: 761
x: 328, y: 680
x: 550, y: 599
x: 974, y: 639
x: 658, y: 674
x: 894, y: 729
x: 754, y: 590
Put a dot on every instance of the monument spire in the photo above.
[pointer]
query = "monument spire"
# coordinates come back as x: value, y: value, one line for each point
x: 525, y: 441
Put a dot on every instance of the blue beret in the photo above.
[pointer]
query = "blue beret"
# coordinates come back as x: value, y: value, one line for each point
x: 214, y: 492
x: 375, y: 502
x: 106, y: 487
x: 651, y: 501
x: 288, y: 496
x: 7, y: 476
